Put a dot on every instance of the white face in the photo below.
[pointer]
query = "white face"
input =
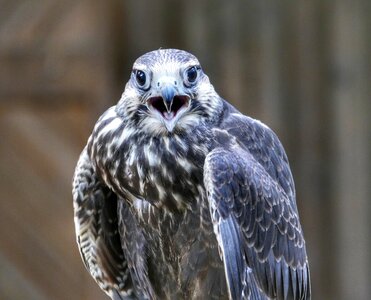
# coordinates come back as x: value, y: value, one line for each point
x: 167, y: 90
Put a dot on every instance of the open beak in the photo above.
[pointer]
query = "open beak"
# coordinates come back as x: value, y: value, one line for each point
x: 169, y: 105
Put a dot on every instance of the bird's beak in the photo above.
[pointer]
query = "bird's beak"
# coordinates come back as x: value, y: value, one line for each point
x: 168, y: 92
x: 169, y: 103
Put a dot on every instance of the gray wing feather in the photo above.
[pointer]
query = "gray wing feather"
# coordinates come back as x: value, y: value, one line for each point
x: 244, y: 196
x: 96, y: 224
x: 232, y: 255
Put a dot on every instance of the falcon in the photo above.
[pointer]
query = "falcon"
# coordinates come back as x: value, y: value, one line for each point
x: 178, y: 195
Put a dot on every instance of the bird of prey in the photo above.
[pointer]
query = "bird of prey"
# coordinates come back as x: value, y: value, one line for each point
x: 178, y: 195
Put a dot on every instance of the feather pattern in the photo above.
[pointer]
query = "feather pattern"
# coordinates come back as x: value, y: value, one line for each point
x: 97, y: 234
x: 193, y: 202
x: 258, y: 202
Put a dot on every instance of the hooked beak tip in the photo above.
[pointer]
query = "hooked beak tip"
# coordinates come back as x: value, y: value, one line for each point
x: 168, y: 92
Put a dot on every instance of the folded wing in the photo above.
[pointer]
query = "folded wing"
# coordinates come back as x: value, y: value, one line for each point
x: 95, y: 214
x: 257, y: 227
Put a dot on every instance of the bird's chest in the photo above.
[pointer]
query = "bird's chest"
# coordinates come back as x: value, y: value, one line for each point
x: 165, y: 172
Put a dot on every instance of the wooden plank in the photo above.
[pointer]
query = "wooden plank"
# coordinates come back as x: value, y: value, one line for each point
x: 312, y: 145
x: 14, y: 285
x: 270, y: 29
x: 60, y: 52
x: 352, y: 131
x: 46, y: 251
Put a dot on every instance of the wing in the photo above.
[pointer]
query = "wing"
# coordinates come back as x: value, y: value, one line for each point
x: 256, y: 224
x: 95, y: 211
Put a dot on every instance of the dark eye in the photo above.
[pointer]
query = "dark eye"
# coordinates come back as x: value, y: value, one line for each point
x: 192, y: 74
x: 140, y: 76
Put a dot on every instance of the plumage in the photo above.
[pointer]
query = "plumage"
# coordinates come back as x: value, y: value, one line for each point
x: 177, y: 195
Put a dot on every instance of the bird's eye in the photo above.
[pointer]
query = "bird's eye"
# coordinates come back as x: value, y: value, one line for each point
x: 192, y: 74
x: 140, y: 76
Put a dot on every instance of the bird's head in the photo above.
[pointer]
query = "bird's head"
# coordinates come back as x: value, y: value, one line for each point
x: 168, y: 92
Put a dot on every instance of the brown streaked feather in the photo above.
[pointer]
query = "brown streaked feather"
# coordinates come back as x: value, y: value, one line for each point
x: 95, y: 209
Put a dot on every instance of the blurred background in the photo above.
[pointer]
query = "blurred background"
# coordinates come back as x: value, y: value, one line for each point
x: 301, y: 67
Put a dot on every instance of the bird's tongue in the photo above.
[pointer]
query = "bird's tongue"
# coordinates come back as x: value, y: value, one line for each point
x: 168, y: 115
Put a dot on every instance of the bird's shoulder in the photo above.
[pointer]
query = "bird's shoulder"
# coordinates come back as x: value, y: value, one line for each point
x: 258, y: 140
x: 239, y: 125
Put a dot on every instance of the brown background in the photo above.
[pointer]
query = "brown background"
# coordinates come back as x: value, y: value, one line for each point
x: 301, y: 67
